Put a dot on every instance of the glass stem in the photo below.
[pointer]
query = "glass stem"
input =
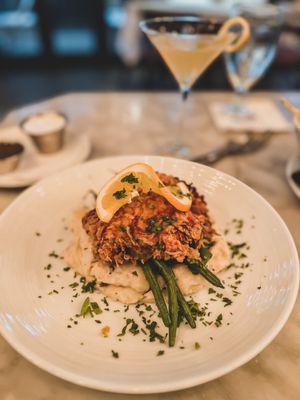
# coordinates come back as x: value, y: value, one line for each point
x: 185, y: 94
x: 176, y: 145
x: 182, y: 149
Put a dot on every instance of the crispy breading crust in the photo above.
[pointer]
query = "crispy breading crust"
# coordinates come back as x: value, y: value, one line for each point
x: 150, y: 227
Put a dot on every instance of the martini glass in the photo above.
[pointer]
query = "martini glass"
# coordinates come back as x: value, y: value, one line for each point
x: 188, y: 45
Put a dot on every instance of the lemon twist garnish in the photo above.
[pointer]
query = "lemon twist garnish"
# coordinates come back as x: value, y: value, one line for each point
x: 244, y: 36
x: 133, y: 180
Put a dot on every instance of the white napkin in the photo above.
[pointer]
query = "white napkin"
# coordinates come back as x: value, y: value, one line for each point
x: 264, y: 116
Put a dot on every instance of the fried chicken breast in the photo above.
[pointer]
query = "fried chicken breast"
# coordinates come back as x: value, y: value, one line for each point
x: 150, y: 227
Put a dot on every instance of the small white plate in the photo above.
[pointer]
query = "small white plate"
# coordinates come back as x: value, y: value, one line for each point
x: 37, y: 327
x: 293, y: 165
x: 34, y: 165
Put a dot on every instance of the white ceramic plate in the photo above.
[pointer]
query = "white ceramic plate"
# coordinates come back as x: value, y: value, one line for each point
x: 293, y: 165
x: 37, y: 327
x: 34, y: 165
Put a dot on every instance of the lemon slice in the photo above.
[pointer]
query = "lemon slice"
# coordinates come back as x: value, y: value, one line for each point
x: 244, y: 36
x: 132, y: 180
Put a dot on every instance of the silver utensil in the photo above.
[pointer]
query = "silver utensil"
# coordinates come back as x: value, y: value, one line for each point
x: 247, y: 143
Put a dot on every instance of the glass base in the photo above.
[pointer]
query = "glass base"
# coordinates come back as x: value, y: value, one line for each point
x: 238, y: 110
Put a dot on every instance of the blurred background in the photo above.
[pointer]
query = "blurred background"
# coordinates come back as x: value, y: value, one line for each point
x: 49, y: 47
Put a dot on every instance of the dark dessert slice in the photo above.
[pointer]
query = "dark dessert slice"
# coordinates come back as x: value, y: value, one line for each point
x: 10, y: 154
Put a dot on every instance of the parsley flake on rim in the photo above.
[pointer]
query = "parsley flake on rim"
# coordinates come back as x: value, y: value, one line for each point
x: 115, y: 354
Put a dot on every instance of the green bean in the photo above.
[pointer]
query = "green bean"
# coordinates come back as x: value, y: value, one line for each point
x: 157, y: 293
x: 184, y: 305
x: 198, y: 268
x: 172, y: 296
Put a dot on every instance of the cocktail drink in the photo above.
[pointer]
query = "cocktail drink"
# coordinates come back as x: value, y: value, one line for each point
x: 188, y: 56
x: 188, y: 45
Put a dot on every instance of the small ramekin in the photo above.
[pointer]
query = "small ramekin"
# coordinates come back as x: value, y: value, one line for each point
x: 49, y: 141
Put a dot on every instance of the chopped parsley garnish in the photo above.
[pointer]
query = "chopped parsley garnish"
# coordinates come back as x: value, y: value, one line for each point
x: 168, y: 221
x: 122, y: 228
x: 104, y: 300
x: 120, y: 194
x: 123, y: 331
x: 211, y: 290
x: 134, y: 329
x: 67, y: 269
x: 89, y: 287
x: 89, y: 308
x: 74, y: 285
x: 227, y: 301
x: 160, y: 353
x: 135, y: 273
x: 154, y: 226
x: 153, y: 334
x: 239, y: 223
x: 53, y: 291
x: 218, y: 321
x: 235, y: 249
x: 197, y: 345
x: 130, y: 179
x: 53, y: 254
x: 115, y: 354
x: 85, y: 308
x: 195, y: 310
x: 237, y: 275
x: 95, y: 308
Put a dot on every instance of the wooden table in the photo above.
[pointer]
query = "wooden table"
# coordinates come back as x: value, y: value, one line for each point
x: 140, y: 123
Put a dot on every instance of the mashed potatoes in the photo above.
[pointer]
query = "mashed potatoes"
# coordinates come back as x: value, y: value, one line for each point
x: 126, y: 283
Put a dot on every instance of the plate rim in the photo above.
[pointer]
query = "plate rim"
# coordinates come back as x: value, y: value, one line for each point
x: 74, y: 378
